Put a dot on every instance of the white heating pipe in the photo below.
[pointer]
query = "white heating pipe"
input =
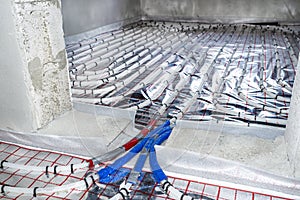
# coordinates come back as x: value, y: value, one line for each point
x: 72, y: 168
x: 99, y: 39
x: 95, y: 66
x: 76, y: 47
x: 261, y: 74
x: 119, y: 98
x: 251, y: 101
x: 167, y: 187
x: 126, y: 59
x: 83, y: 184
x: 150, y: 77
x: 278, y: 67
x: 151, y: 54
x: 136, y: 50
x: 104, y: 59
x: 293, y: 56
x: 143, y: 67
x: 105, y: 47
x: 167, y: 78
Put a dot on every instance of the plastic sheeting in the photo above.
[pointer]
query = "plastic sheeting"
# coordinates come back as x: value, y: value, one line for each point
x: 207, y: 74
x: 205, y: 177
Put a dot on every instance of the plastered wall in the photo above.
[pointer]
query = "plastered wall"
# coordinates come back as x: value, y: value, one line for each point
x: 223, y: 11
x: 85, y: 15
x: 34, y: 84
x: 80, y: 16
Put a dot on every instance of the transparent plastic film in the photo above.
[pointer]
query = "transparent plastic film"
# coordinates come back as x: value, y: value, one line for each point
x: 218, y: 74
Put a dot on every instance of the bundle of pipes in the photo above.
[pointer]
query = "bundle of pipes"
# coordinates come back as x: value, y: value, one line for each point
x: 249, y: 77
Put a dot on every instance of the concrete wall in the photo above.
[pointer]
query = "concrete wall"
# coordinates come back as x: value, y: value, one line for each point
x: 15, y: 103
x: 34, y: 77
x: 84, y: 15
x: 292, y: 133
x: 223, y: 10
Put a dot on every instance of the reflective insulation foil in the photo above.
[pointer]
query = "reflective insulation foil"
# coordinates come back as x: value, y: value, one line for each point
x: 241, y: 74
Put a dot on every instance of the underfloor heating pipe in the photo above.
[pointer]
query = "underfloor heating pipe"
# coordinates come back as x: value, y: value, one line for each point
x: 216, y: 99
x: 127, y: 58
x: 158, y: 55
x: 102, y: 48
x: 242, y: 115
x: 105, y: 48
x: 262, y: 71
x: 171, y: 191
x: 292, y: 53
x: 94, y: 66
x: 248, y: 99
x: 108, y: 99
x: 103, y: 60
x: 89, y: 48
x: 140, y: 45
x: 98, y: 49
x: 251, y: 102
x: 147, y: 79
x: 132, y: 53
x: 98, y: 39
x: 278, y: 66
x: 168, y: 77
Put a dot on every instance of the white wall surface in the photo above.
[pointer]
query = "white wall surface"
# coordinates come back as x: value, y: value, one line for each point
x: 224, y: 11
x: 15, y: 104
x: 85, y: 15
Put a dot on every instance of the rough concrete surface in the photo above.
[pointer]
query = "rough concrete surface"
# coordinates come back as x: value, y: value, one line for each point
x: 265, y: 154
x: 40, y: 37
